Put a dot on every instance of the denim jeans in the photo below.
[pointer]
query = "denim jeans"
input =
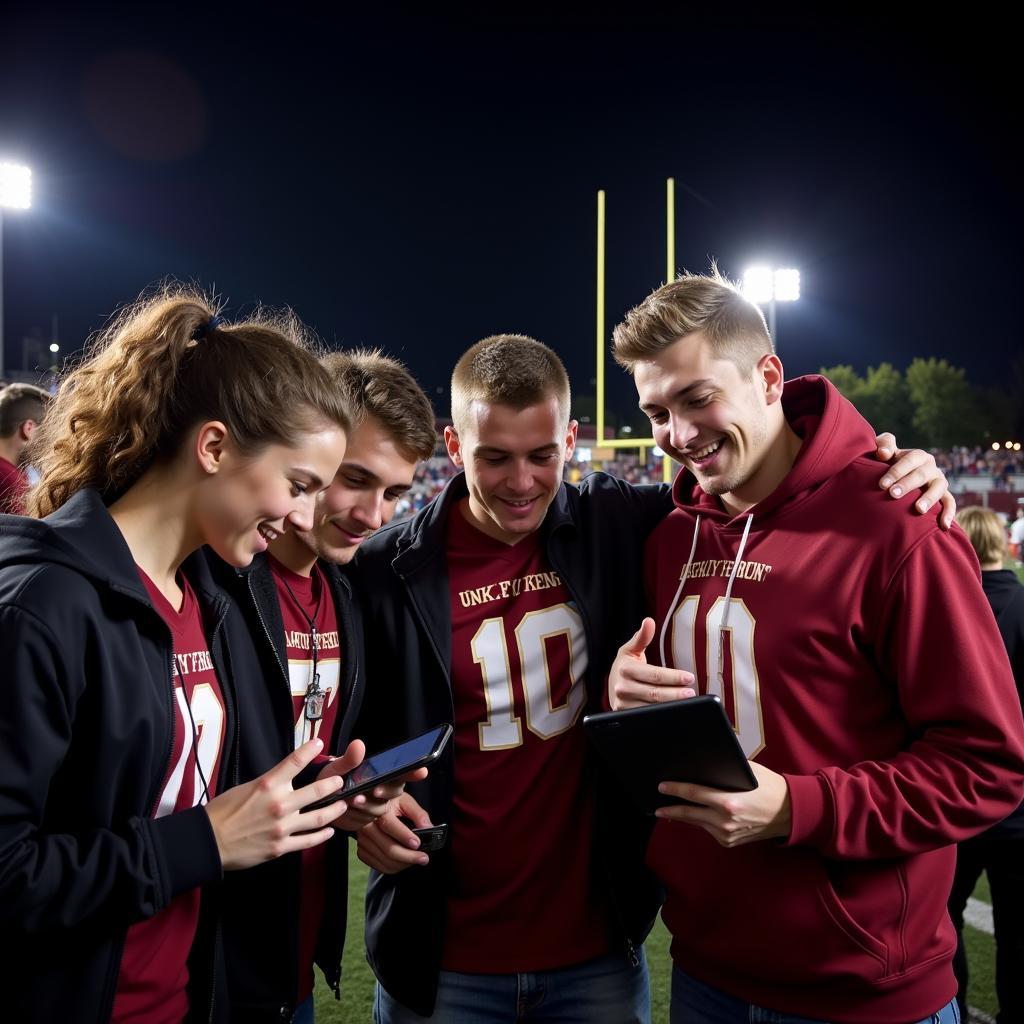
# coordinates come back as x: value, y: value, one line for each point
x: 693, y: 1002
x: 608, y: 990
x: 304, y: 1013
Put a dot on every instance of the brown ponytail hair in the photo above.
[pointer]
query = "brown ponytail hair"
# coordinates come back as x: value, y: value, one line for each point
x: 159, y: 368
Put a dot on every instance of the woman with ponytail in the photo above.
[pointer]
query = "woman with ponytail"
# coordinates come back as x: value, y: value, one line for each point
x: 117, y: 717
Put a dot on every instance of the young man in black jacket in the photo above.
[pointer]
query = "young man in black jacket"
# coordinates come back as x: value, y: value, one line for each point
x: 499, y: 607
x: 304, y: 678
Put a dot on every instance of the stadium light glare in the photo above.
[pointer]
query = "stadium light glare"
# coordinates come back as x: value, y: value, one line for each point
x: 1009, y: 445
x: 15, y: 186
x: 758, y: 284
x: 995, y: 446
x: 15, y: 194
x: 54, y: 347
x: 787, y: 285
x: 1016, y: 446
x: 766, y: 286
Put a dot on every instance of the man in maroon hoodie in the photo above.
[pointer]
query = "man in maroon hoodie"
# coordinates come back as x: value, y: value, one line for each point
x: 854, y: 651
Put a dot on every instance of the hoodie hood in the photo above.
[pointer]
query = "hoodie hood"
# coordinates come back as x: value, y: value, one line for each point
x: 81, y: 536
x: 833, y: 435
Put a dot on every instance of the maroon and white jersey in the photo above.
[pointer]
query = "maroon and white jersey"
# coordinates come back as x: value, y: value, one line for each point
x: 522, y: 896
x: 310, y: 595
x: 154, y: 971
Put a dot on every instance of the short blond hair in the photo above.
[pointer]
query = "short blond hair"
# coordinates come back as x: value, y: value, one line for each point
x: 985, y: 531
x: 711, y: 304
x: 508, y: 369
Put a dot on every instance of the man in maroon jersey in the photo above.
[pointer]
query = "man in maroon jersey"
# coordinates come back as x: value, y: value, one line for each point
x: 499, y: 607
x: 21, y: 411
x: 854, y: 650
x: 307, y: 681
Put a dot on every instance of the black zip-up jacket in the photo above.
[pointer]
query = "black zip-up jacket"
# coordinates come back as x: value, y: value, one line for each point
x: 86, y: 736
x: 593, y: 535
x: 261, y: 905
x: 1006, y: 596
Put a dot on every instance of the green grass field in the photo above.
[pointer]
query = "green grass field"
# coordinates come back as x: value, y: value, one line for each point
x: 356, y: 1004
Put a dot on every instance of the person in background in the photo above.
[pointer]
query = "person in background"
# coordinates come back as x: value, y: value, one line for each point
x: 999, y: 851
x: 22, y: 407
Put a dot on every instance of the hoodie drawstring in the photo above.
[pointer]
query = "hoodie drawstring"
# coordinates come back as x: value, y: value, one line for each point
x: 679, y: 590
x: 728, y: 595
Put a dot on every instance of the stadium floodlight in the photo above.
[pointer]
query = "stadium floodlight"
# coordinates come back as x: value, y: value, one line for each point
x: 54, y: 347
x: 995, y: 446
x: 765, y: 286
x: 787, y: 285
x: 759, y: 284
x: 15, y: 186
x: 15, y: 194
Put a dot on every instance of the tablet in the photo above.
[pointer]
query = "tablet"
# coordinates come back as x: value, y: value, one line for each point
x: 680, y: 741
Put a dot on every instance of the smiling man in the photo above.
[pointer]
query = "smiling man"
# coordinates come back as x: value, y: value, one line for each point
x: 854, y: 650
x: 499, y: 608
x: 306, y: 680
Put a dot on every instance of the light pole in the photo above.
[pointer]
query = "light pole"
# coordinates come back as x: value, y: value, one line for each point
x: 766, y: 286
x: 15, y: 194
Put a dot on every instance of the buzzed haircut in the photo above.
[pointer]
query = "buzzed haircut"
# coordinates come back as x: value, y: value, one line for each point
x: 710, y: 304
x: 20, y: 402
x: 508, y: 369
x: 376, y: 385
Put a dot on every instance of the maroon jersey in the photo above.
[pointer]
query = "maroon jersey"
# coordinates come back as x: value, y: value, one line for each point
x: 302, y: 599
x: 154, y: 972
x: 13, y: 485
x: 522, y: 896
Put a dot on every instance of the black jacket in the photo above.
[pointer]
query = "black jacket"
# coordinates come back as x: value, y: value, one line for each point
x: 261, y: 905
x: 86, y: 735
x: 1006, y: 596
x: 594, y: 537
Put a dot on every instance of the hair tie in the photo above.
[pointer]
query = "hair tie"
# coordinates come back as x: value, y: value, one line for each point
x: 211, y: 325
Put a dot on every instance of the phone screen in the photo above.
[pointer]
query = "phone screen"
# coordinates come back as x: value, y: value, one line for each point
x: 394, y: 760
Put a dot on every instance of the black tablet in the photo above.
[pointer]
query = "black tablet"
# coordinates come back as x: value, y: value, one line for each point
x: 681, y: 741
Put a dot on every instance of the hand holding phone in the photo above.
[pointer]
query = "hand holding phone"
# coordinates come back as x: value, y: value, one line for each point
x: 390, y: 764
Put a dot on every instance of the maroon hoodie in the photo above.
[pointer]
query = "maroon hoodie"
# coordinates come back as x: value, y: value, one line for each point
x: 860, y: 659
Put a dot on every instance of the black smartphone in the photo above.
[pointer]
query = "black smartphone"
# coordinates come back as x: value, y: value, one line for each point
x: 432, y: 837
x: 389, y: 764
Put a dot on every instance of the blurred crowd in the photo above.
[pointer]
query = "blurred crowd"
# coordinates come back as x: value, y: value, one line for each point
x: 1001, y: 464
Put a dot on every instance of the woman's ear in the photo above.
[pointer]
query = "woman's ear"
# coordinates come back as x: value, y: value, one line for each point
x: 211, y: 445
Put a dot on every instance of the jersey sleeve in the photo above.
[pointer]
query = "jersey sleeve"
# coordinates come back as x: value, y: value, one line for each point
x: 105, y: 876
x: 963, y: 768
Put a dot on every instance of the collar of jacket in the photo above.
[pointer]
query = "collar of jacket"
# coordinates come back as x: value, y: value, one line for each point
x: 85, y: 529
x: 257, y: 579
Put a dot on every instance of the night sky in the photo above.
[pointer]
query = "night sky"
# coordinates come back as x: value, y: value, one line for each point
x: 418, y: 182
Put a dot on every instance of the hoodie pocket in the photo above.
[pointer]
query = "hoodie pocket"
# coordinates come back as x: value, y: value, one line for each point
x: 723, y: 903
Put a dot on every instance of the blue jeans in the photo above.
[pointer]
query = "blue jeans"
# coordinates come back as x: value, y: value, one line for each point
x: 693, y: 1002
x: 608, y: 990
x: 304, y: 1013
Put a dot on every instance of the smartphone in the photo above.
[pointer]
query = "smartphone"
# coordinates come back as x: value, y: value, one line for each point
x: 432, y: 838
x: 389, y: 764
